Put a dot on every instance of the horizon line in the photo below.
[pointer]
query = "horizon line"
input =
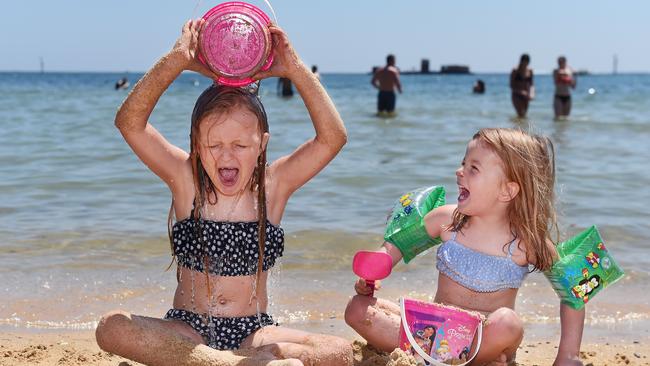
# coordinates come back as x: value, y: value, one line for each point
x: 409, y: 72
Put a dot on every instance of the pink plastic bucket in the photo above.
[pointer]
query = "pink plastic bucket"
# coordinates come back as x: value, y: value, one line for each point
x: 235, y: 42
x: 439, y: 334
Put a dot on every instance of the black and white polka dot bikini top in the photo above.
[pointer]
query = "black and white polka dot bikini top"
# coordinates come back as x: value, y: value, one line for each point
x: 228, y: 248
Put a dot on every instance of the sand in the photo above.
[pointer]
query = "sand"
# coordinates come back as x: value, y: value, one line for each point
x: 79, y: 348
x: 73, y: 348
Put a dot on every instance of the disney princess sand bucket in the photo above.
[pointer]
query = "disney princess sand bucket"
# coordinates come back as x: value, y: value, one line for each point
x: 437, y: 334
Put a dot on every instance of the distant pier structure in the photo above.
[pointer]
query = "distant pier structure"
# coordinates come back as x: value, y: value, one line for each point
x: 424, y: 66
x: 425, y: 69
x: 454, y: 69
x: 444, y: 69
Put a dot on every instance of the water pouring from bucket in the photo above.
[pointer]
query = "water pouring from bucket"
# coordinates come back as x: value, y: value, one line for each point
x: 372, y: 266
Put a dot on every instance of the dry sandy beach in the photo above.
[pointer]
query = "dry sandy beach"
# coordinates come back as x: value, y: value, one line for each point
x: 79, y: 348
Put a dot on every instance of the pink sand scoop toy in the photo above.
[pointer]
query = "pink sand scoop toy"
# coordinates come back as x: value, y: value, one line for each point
x: 372, y: 266
x: 235, y: 42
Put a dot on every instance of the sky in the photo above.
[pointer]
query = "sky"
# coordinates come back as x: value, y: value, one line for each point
x: 339, y: 35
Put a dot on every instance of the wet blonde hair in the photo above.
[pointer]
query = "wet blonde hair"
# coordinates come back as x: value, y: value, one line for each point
x: 223, y: 99
x: 529, y: 161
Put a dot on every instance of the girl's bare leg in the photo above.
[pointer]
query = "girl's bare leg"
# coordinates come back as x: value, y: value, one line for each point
x: 502, y: 334
x: 376, y: 320
x: 310, y: 348
x: 520, y: 104
x: 557, y: 107
x: 153, y: 341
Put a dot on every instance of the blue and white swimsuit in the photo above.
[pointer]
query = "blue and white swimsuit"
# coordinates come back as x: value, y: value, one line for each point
x: 478, y: 271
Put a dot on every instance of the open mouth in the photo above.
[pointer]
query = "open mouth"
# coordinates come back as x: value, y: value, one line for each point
x: 228, y: 176
x: 463, y: 194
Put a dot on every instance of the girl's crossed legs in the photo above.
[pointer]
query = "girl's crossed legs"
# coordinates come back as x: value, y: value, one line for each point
x: 154, y: 341
x: 378, y: 322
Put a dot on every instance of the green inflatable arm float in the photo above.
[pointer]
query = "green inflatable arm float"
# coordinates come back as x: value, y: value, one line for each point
x: 583, y: 269
x: 405, y: 227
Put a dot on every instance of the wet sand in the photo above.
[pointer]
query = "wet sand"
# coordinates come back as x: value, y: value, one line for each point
x: 80, y: 348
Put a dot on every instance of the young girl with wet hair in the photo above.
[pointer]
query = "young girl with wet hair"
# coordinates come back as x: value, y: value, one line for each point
x: 228, y: 203
x: 500, y: 227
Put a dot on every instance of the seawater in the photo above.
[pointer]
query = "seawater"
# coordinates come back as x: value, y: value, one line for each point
x: 83, y: 221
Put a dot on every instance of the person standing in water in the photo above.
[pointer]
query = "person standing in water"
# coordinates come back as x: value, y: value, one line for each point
x: 564, y: 81
x: 284, y: 87
x: 386, y: 79
x: 479, y: 87
x: 521, y: 84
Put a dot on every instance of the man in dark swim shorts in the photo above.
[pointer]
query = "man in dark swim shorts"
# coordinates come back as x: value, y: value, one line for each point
x: 386, y: 79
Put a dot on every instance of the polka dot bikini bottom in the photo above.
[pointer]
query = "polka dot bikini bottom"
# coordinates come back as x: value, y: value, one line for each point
x: 221, y: 333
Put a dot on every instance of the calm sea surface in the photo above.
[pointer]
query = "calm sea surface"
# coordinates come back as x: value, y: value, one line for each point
x: 83, y: 221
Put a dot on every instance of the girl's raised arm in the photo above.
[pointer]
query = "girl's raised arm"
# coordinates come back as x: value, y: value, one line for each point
x: 292, y: 171
x: 438, y: 219
x: 163, y: 158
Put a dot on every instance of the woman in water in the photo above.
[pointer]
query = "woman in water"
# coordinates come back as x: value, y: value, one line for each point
x: 521, y: 84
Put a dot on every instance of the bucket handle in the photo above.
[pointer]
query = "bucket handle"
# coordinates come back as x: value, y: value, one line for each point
x: 268, y: 3
x: 419, y: 349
